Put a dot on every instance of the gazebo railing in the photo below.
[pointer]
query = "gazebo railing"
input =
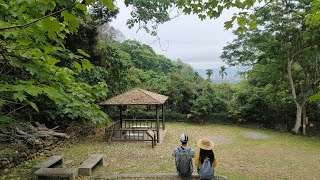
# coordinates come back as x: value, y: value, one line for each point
x: 131, y: 130
x: 143, y: 123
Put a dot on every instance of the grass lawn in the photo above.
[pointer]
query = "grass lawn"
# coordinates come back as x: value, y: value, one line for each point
x: 277, y: 156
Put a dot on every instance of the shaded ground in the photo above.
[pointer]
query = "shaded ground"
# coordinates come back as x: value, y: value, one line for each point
x: 283, y: 156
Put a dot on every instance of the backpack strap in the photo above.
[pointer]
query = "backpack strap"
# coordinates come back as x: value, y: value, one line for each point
x: 188, y: 150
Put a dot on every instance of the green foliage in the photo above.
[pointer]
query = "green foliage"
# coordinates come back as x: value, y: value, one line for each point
x: 315, y: 97
x: 116, y: 64
x: 207, y: 104
x: 32, y: 37
x: 175, y: 116
x: 101, y: 14
x: 146, y: 11
x: 262, y: 105
x: 144, y: 57
x: 4, y: 121
x: 283, y: 52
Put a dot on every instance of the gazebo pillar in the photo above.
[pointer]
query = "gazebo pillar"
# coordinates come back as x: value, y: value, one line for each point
x: 163, y: 120
x: 158, y: 129
x: 120, y: 116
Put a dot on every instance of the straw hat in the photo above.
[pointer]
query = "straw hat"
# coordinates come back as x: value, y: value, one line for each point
x: 205, y: 144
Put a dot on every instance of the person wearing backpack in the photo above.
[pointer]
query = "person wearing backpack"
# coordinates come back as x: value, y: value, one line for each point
x: 183, y: 157
x: 205, y: 160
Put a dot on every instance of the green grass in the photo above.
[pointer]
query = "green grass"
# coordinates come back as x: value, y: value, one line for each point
x: 283, y: 156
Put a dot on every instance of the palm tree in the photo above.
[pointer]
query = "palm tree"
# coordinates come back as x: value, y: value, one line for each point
x: 222, y: 72
x: 209, y: 73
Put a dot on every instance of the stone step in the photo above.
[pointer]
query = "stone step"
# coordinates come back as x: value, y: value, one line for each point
x: 70, y: 173
x: 86, y: 167
x: 50, y: 162
x: 170, y: 176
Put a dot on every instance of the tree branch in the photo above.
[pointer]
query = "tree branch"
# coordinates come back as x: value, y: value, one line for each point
x: 159, y: 41
x: 34, y: 21
x: 11, y: 102
x: 17, y: 109
x: 259, y: 8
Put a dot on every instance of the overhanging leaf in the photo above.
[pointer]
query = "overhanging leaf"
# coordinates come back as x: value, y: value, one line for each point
x: 108, y: 3
x: 20, y: 96
x: 77, y: 66
x: 315, y: 97
x: 34, y: 90
x: 86, y: 64
x: 51, y: 25
x: 34, y: 106
x: 83, y: 53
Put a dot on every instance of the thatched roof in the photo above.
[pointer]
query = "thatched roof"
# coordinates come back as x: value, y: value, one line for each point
x: 136, y: 97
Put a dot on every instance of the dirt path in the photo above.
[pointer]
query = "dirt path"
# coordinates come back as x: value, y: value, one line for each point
x: 256, y: 135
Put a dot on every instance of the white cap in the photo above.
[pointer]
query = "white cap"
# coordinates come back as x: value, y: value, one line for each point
x: 183, y: 138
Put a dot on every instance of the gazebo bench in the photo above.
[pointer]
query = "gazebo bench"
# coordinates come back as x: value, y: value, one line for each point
x: 86, y: 167
x: 134, y: 135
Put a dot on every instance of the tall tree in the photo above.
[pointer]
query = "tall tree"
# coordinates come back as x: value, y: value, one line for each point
x: 282, y: 38
x: 222, y: 72
x: 209, y: 73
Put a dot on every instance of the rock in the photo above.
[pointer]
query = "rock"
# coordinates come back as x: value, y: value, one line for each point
x: 3, y: 163
x: 6, y: 170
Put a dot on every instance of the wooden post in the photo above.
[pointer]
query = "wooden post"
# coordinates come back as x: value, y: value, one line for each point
x: 304, y: 119
x: 158, y: 130
x: 163, y: 120
x: 120, y: 116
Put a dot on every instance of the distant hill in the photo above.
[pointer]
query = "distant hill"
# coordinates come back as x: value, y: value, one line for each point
x: 231, y: 77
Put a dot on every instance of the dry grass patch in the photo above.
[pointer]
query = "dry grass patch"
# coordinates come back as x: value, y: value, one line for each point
x: 283, y: 156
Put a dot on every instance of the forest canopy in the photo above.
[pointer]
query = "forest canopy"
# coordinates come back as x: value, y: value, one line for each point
x: 59, y: 59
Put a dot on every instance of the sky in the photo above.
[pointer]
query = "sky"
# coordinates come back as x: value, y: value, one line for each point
x: 197, y: 43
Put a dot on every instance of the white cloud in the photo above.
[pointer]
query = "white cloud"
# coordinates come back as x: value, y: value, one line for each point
x: 198, y: 43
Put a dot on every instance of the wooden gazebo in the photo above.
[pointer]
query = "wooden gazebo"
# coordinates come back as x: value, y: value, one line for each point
x: 135, y: 129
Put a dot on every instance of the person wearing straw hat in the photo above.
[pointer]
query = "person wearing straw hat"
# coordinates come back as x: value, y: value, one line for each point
x: 205, y: 152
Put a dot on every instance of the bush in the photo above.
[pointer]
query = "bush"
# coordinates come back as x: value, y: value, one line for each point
x: 174, y: 116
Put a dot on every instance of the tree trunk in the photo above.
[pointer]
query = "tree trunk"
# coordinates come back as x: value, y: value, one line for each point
x: 298, y: 119
x: 294, y: 95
